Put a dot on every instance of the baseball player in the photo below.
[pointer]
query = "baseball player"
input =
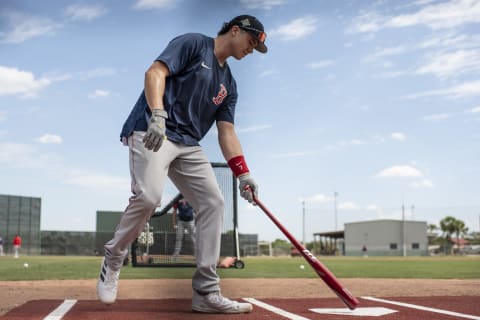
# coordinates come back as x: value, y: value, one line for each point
x: 182, y: 219
x: 188, y: 88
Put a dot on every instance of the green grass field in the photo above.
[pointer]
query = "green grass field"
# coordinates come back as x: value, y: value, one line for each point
x: 56, y: 267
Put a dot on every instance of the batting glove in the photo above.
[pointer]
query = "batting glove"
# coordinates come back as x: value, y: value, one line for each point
x: 246, y: 193
x: 155, y: 134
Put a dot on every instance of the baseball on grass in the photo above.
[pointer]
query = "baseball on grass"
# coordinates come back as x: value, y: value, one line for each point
x: 302, y: 266
x: 25, y: 265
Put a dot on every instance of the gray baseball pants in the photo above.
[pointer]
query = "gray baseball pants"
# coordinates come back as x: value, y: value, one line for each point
x: 191, y: 172
x: 180, y: 235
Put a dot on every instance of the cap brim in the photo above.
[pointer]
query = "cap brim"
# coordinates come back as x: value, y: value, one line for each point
x: 261, y: 47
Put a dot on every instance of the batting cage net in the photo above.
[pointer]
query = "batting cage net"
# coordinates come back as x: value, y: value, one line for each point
x: 155, y: 247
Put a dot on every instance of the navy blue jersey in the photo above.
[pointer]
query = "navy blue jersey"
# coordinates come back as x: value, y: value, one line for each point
x: 185, y: 211
x: 198, y: 91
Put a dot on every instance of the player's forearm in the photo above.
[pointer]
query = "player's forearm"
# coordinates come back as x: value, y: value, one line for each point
x: 155, y: 85
x: 228, y: 140
x: 232, y: 149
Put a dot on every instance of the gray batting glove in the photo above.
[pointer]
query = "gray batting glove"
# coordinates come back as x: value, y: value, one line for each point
x: 246, y: 193
x: 155, y: 134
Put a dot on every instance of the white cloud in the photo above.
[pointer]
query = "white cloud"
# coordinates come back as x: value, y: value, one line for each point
x: 440, y: 15
x: 385, y: 52
x: 447, y: 41
x: 262, y: 4
x: 319, y: 198
x: 82, y: 75
x: 99, y: 94
x: 374, y: 208
x: 437, y: 117
x: 320, y: 64
x: 49, y: 138
x: 154, y: 4
x: 356, y: 142
x: 267, y: 73
x: 14, y: 81
x: 474, y: 110
x: 348, y: 205
x: 462, y: 90
x: 398, y: 136
x: 26, y: 156
x: 399, y: 171
x: 296, y: 29
x: 97, y: 181
x: 423, y: 183
x: 366, y: 22
x: 436, y: 15
x: 444, y: 65
x: 83, y: 12
x: 18, y: 155
x: 24, y: 27
x: 97, y: 73
x: 55, y: 76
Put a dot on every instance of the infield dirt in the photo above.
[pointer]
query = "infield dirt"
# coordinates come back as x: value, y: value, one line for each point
x: 15, y: 293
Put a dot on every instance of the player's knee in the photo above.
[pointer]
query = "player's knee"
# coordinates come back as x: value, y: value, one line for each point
x: 150, y: 201
x: 218, y: 202
x: 218, y: 205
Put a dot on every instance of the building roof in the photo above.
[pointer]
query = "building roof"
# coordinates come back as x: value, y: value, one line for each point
x: 460, y: 242
x: 385, y: 220
x: 340, y: 234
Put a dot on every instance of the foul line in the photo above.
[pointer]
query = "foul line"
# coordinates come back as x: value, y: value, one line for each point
x: 61, y: 310
x: 276, y: 310
x: 413, y: 306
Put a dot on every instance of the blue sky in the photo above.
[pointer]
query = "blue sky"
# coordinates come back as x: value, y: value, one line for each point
x: 378, y: 101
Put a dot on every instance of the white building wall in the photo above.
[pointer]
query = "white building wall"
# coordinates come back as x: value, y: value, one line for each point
x: 385, y: 238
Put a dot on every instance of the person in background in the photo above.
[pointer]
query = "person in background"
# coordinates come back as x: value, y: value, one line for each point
x: 17, y: 244
x: 183, y: 219
x: 2, y: 253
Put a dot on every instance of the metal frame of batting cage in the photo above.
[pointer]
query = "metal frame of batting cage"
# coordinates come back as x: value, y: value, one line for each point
x: 166, y: 260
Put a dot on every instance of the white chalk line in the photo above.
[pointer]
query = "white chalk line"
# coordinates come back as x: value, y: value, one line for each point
x: 414, y: 306
x: 276, y: 310
x: 61, y: 310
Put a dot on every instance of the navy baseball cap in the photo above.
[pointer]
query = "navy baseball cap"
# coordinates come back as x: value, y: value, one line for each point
x: 254, y: 27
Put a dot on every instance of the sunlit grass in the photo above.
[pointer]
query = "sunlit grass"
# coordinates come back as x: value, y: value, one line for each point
x: 60, y: 267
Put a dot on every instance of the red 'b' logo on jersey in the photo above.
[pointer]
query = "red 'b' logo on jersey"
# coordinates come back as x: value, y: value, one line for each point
x: 222, y: 93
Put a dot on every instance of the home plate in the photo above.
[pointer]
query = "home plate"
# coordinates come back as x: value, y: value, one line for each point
x: 362, y: 312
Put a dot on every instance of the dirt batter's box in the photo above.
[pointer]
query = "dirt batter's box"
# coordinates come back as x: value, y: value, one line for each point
x: 155, y: 245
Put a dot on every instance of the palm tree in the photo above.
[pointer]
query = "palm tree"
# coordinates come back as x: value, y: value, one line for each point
x: 460, y: 230
x: 432, y: 236
x: 447, y: 225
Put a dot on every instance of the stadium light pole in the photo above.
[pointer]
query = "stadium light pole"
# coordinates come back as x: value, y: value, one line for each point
x: 335, y: 194
x: 404, y: 232
x: 303, y: 221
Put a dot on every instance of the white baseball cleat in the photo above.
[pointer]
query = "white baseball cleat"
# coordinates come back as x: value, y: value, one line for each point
x: 107, y: 284
x: 215, y: 303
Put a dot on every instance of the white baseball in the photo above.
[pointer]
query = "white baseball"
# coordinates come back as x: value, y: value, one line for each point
x: 25, y: 265
x: 302, y: 266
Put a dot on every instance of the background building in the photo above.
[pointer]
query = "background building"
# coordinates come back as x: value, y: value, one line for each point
x: 20, y: 215
x: 106, y: 223
x: 386, y: 238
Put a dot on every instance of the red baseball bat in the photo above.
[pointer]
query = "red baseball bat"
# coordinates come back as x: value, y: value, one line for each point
x: 328, y: 277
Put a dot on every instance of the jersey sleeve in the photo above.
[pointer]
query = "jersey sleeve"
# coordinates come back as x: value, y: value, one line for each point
x: 180, y: 51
